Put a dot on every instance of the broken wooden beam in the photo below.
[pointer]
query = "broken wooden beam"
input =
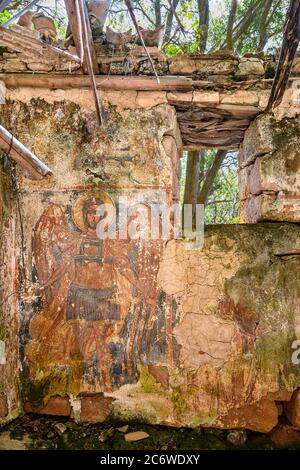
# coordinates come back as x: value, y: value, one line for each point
x: 75, y: 27
x: 15, y: 41
x: 35, y: 168
x: 20, y: 39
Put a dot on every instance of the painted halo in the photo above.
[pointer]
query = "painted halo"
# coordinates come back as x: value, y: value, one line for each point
x: 77, y: 209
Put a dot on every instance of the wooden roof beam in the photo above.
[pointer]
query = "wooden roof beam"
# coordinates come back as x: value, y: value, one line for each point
x: 34, y: 167
x: 76, y: 28
x: 113, y: 82
x: 27, y: 43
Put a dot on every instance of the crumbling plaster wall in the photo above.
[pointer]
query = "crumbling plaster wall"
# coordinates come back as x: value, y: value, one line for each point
x: 10, y: 267
x: 219, y: 349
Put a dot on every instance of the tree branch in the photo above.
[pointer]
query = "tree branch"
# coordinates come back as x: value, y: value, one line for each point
x: 288, y: 51
x: 203, y: 9
x: 192, y: 177
x: 263, y: 25
x: 173, y: 9
x: 210, y: 176
x: 169, y: 21
x: 230, y: 24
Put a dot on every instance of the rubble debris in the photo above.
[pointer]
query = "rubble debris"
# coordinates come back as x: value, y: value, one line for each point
x: 136, y: 436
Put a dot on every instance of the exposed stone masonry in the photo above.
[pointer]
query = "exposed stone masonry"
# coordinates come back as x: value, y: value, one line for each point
x: 131, y: 59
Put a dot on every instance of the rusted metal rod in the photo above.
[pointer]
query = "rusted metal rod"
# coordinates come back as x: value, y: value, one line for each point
x: 129, y: 5
x: 36, y: 169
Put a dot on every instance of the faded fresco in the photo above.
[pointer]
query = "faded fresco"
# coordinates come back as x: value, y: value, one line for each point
x: 101, y: 310
x: 137, y: 329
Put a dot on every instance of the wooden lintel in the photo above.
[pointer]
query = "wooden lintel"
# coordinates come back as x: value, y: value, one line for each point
x: 119, y: 83
x: 197, y: 146
x: 115, y: 82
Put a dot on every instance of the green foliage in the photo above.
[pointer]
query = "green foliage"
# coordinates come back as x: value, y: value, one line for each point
x: 4, y: 16
x: 151, y: 13
x: 222, y: 205
x: 223, y: 202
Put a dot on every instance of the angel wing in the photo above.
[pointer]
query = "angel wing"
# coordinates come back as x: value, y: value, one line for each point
x: 52, y: 239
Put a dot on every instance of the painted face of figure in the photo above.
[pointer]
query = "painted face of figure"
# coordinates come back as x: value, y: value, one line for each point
x: 93, y: 214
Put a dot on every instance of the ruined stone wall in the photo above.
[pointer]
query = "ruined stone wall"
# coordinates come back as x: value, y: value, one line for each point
x: 169, y: 335
x: 132, y: 60
x: 269, y: 164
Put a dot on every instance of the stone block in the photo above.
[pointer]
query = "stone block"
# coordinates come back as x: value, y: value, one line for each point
x: 182, y: 65
x: 277, y: 172
x: 39, y: 67
x: 292, y: 409
x: 250, y: 66
x: 95, y: 408
x: 175, y: 97
x: 284, y: 436
x: 241, y: 97
x: 243, y: 182
x: 149, y: 99
x: 258, y: 140
x: 261, y: 416
x: 213, y: 66
x: 296, y: 66
x: 209, y: 98
x: 121, y: 99
x: 14, y: 65
x: 56, y: 406
x: 258, y: 208
x: 264, y: 97
x: 278, y: 207
x: 66, y: 66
